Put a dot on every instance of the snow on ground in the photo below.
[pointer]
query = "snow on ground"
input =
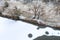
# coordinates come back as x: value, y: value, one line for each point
x: 18, y: 30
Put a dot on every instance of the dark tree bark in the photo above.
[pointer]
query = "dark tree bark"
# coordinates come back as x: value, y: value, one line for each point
x: 0, y: 13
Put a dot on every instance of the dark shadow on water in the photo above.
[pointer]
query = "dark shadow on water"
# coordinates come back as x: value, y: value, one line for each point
x: 47, y: 38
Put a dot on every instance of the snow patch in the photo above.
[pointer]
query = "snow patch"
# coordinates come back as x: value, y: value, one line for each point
x: 18, y: 30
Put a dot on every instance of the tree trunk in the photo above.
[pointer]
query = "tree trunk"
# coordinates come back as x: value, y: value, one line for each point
x: 0, y: 13
x: 34, y: 16
x: 38, y: 15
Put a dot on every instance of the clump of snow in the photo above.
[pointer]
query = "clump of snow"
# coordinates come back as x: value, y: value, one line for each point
x: 22, y: 17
